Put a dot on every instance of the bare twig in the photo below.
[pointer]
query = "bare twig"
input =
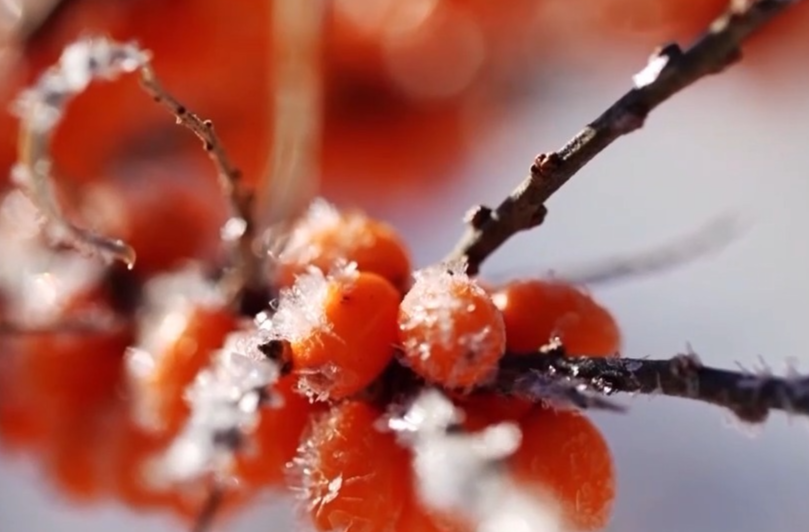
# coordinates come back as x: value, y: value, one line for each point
x: 239, y: 230
x: 229, y: 176
x: 42, y: 107
x: 669, y: 71
x: 750, y: 396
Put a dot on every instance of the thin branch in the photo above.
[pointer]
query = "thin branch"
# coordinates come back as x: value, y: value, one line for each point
x: 669, y: 71
x: 41, y: 109
x: 229, y: 176
x: 244, y: 278
x: 750, y: 396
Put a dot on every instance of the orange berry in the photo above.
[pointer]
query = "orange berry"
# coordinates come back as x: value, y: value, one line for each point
x: 167, y: 211
x: 536, y: 310
x: 483, y: 409
x: 341, y: 329
x: 73, y: 457
x: 354, y: 476
x: 132, y: 451
x: 191, y: 337
x: 325, y: 237
x: 563, y: 452
x: 74, y: 371
x: 274, y: 441
x: 450, y: 331
x: 21, y: 424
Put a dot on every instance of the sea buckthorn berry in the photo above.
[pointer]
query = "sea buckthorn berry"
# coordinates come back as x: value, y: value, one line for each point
x: 354, y: 477
x: 325, y: 237
x: 450, y: 330
x: 341, y: 329
x: 193, y: 336
x: 273, y: 443
x: 169, y: 211
x: 481, y: 410
x: 563, y: 452
x: 536, y: 310
x: 72, y: 371
x: 74, y: 457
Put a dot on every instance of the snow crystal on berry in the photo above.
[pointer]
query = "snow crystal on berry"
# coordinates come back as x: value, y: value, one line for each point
x: 300, y: 307
x: 349, y: 232
x: 451, y: 331
x: 224, y: 403
x: 461, y: 472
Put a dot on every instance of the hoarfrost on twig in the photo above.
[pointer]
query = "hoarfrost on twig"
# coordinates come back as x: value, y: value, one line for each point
x: 41, y: 108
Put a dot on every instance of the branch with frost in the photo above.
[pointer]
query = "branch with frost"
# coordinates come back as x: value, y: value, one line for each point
x: 462, y: 473
x: 41, y: 108
x: 669, y: 71
x: 750, y: 396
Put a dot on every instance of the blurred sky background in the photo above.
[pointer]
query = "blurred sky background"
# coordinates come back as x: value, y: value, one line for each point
x: 730, y: 144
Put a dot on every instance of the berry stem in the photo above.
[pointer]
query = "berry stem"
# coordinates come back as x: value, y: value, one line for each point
x: 670, y: 70
x: 246, y: 272
x: 750, y: 396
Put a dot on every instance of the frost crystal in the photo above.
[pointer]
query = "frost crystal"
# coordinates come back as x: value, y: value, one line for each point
x: 651, y: 71
x: 81, y: 62
x: 169, y: 301
x: 225, y: 400
x: 461, y: 472
x: 346, y: 230
x: 36, y: 280
x: 40, y: 109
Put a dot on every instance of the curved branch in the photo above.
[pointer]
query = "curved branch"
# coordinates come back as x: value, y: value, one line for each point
x: 669, y: 71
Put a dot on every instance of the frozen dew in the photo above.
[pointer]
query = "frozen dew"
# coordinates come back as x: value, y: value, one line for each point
x: 233, y: 229
x: 225, y: 400
x: 434, y: 292
x: 37, y: 281
x: 300, y: 307
x: 80, y: 63
x: 462, y: 472
x: 347, y: 230
x: 169, y: 301
x: 41, y: 107
x: 651, y: 71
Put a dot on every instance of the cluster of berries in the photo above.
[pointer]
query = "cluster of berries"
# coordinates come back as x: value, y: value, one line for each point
x: 106, y: 404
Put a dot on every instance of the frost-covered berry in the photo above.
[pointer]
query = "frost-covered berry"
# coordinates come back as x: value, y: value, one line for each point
x: 564, y: 453
x: 341, y: 329
x: 450, y: 331
x: 353, y: 476
x: 325, y: 237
